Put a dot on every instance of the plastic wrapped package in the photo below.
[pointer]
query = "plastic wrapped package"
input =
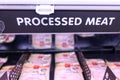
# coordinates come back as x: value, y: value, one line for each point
x: 34, y: 72
x: 42, y: 41
x: 37, y: 67
x: 6, y: 68
x: 2, y: 38
x: 64, y: 41
x: 67, y: 67
x: 69, y: 57
x: 7, y: 38
x: 97, y: 66
x: 67, y: 71
x: 40, y: 59
x: 2, y: 61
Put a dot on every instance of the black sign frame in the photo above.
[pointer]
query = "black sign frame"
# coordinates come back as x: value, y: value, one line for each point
x: 62, y: 21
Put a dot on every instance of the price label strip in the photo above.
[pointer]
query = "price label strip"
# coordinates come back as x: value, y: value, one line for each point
x: 109, y: 75
x: 84, y: 66
x: 15, y: 73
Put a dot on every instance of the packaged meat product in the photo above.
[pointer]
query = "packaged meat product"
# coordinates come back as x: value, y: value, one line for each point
x: 66, y: 57
x: 67, y: 67
x: 34, y: 72
x: 67, y: 71
x: 97, y: 66
x: 115, y: 67
x: 64, y: 41
x: 2, y: 38
x: 42, y: 41
x: 40, y: 59
x: 9, y: 38
x: 2, y: 61
x: 37, y: 67
x: 6, y: 68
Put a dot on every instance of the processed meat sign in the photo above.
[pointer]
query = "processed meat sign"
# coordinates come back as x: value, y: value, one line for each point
x: 20, y: 21
x: 63, y: 21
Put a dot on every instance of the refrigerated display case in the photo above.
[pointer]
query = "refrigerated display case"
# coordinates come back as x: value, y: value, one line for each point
x: 81, y: 37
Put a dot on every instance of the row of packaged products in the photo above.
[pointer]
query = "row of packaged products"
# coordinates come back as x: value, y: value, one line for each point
x: 43, y: 41
x: 62, y: 41
x: 7, y: 38
x: 38, y: 67
x: 67, y: 67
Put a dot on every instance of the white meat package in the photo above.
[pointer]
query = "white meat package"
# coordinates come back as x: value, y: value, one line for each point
x: 64, y: 41
x: 41, y: 41
x: 34, y: 72
x: 67, y: 67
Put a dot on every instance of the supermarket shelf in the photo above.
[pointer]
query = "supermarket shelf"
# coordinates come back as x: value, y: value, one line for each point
x: 16, y: 71
x: 53, y: 50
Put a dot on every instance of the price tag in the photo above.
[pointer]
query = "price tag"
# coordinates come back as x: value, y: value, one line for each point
x: 109, y: 75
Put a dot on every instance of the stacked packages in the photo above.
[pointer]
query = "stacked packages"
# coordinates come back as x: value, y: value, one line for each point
x: 67, y: 67
x: 37, y: 67
x: 97, y: 67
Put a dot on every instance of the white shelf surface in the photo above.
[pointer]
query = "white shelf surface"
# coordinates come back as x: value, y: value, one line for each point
x: 62, y: 4
x: 75, y: 2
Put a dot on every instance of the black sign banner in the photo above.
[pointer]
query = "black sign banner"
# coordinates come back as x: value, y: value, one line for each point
x: 109, y: 75
x: 62, y: 21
